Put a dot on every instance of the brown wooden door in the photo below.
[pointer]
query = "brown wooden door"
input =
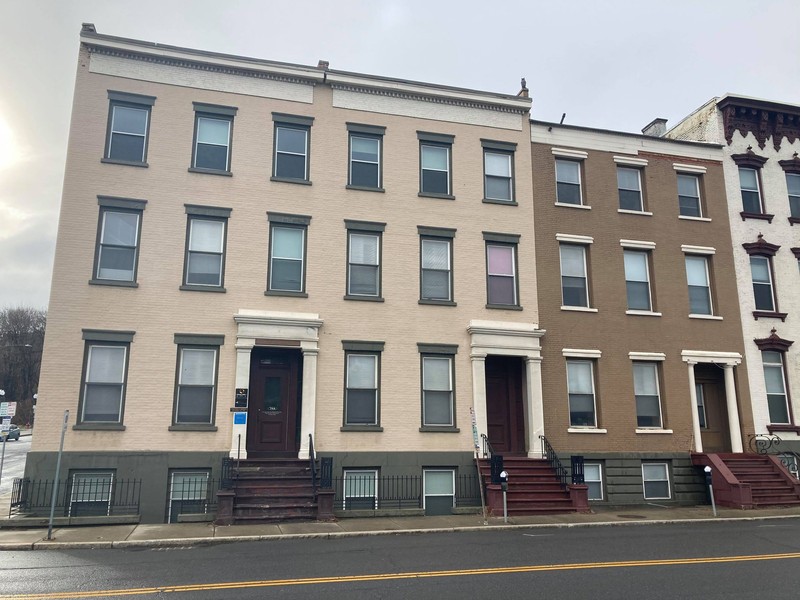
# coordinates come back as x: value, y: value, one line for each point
x: 272, y: 406
x: 505, y: 419
x: 712, y: 409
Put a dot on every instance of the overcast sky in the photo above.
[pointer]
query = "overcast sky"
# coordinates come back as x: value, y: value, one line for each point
x: 613, y: 64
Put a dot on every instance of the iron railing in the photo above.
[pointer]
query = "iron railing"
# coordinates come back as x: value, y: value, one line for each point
x: 79, y: 498
x: 552, y: 458
x: 767, y: 443
x: 312, y: 460
x: 326, y: 472
x: 366, y: 492
x: 230, y: 472
x: 486, y: 447
x: 193, y: 496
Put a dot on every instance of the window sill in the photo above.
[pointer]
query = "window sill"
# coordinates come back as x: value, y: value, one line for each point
x: 289, y: 180
x: 625, y: 211
x: 112, y: 283
x: 364, y: 298
x: 707, y: 317
x: 497, y: 201
x: 643, y: 313
x: 362, y: 188
x: 373, y: 428
x: 688, y: 218
x: 126, y: 163
x: 758, y: 216
x: 655, y: 430
x: 586, y: 430
x: 210, y: 171
x: 437, y: 302
x: 434, y: 195
x: 99, y: 427
x: 286, y: 293
x: 783, y: 427
x: 769, y: 314
x: 570, y: 205
x: 793, y: 220
x: 579, y: 309
x: 193, y: 427
x: 439, y: 429
x: 188, y: 287
x: 504, y: 306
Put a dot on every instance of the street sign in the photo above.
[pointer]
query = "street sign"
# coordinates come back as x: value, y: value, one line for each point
x: 5, y: 424
x: 3, y: 409
x: 12, y: 409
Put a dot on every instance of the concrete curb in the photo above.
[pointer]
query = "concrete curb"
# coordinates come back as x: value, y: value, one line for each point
x: 207, y: 541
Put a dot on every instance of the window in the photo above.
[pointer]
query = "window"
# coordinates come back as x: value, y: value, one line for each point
x: 204, y: 265
x: 362, y: 377
x: 213, y: 128
x: 365, y: 156
x: 761, y: 270
x: 689, y: 195
x: 793, y: 186
x: 637, y: 280
x: 439, y: 496
x: 629, y: 182
x: 364, y: 260
x: 701, y: 405
x: 501, y: 270
x: 699, y: 288
x: 438, y: 398
x: 593, y: 478
x: 118, y: 235
x: 580, y: 388
x: 196, y: 388
x: 287, y: 253
x: 90, y: 493
x: 292, y: 146
x: 498, y: 171
x: 105, y: 369
x: 775, y: 381
x: 360, y: 489
x: 568, y: 182
x: 188, y: 494
x: 646, y: 391
x: 655, y: 477
x: 436, y: 272
x: 128, y: 128
x: 751, y: 193
x: 574, y: 282
x: 435, y: 164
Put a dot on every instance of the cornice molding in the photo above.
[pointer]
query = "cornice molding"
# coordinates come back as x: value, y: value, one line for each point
x: 773, y: 342
x: 762, y: 121
x: 749, y: 159
x: 761, y: 248
x: 791, y: 165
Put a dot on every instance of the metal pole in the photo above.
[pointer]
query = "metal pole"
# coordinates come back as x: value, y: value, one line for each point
x: 58, y: 474
x: 505, y: 507
x: 713, y: 504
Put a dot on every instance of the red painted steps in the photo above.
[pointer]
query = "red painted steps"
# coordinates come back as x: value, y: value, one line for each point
x: 273, y: 490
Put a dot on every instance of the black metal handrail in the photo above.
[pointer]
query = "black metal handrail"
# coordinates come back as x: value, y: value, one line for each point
x: 486, y: 447
x: 767, y: 443
x: 312, y: 460
x: 229, y: 473
x: 550, y: 455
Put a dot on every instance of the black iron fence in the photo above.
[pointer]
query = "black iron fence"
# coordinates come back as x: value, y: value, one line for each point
x: 75, y: 497
x: 552, y: 458
x: 364, y: 490
x: 766, y: 443
x: 191, y: 497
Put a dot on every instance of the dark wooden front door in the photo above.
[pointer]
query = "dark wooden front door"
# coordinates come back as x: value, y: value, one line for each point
x: 712, y: 408
x: 273, y: 404
x: 505, y: 419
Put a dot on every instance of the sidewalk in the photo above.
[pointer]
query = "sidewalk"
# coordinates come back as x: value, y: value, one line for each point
x: 192, y: 534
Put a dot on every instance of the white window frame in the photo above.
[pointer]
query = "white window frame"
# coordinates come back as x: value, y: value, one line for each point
x: 372, y: 138
x: 590, y: 362
x: 510, y: 177
x: 598, y: 481
x: 795, y: 214
x: 101, y: 244
x: 639, y: 189
x: 425, y: 493
x: 757, y: 189
x: 449, y: 270
x: 655, y: 370
x: 198, y: 475
x: 702, y: 416
x: 122, y: 384
x: 272, y: 257
x: 199, y: 117
x: 422, y: 168
x: 666, y: 478
x: 375, y: 356
x: 109, y: 493
x: 221, y: 252
x: 307, y: 134
x: 770, y: 283
x: 375, y: 482
x: 696, y: 179
x: 181, y: 386
x: 449, y: 359
x: 111, y: 130
x: 378, y: 242
x: 513, y: 276
x: 785, y: 392
x: 577, y: 164
x: 646, y: 255
x: 707, y: 286
x: 583, y: 249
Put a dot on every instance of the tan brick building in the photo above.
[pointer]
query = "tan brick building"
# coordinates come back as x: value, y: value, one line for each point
x: 255, y: 254
x: 643, y: 353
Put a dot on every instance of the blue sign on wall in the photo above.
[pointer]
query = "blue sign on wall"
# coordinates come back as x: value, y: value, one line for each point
x: 240, y: 418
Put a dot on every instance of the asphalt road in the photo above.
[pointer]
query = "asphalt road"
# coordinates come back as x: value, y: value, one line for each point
x: 14, y: 463
x: 745, y: 559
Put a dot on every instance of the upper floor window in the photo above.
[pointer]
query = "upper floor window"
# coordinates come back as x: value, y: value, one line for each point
x: 287, y: 254
x: 574, y: 277
x: 435, y: 164
x: 637, y: 279
x: 436, y: 265
x: 793, y: 187
x: 568, y: 182
x: 365, y: 164
x: 763, y: 292
x: 105, y: 374
x: 773, y: 358
x: 689, y: 195
x: 751, y: 192
x: 580, y: 389
x: 213, y: 131
x: 629, y: 184
x: 118, y: 234
x: 292, y: 148
x: 364, y: 260
x: 501, y: 270
x: 648, y: 397
x: 438, y: 406
x: 196, y: 382
x: 362, y: 384
x: 204, y: 264
x: 498, y: 170
x: 128, y: 128
x: 697, y: 277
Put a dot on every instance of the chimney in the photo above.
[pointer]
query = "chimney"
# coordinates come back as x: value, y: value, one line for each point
x: 655, y: 128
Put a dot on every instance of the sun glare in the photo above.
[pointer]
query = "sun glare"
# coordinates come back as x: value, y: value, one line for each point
x: 8, y: 150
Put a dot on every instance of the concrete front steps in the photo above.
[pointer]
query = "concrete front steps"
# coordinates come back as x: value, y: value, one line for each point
x: 533, y: 488
x: 744, y: 480
x: 273, y: 490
